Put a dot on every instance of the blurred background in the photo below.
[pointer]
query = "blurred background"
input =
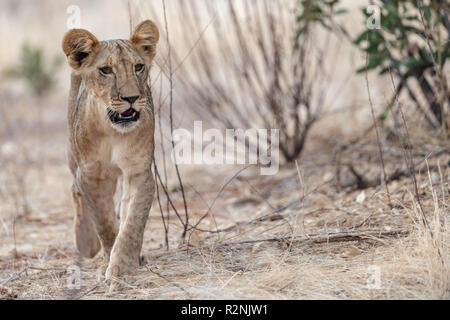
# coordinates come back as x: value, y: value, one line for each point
x: 358, y: 89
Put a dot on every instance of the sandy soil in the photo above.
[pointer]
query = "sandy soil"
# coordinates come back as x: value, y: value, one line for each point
x: 340, y: 236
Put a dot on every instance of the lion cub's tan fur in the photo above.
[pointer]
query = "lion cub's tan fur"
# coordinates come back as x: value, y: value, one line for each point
x: 102, y: 153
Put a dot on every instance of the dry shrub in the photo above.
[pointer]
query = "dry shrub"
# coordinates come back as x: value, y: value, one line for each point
x: 242, y: 68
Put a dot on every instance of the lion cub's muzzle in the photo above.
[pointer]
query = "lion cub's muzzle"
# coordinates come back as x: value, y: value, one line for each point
x: 129, y: 115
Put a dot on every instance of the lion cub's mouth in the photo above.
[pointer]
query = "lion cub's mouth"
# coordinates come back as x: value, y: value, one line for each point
x: 129, y: 115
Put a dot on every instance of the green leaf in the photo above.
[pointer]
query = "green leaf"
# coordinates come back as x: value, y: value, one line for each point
x: 361, y: 37
x: 383, y: 115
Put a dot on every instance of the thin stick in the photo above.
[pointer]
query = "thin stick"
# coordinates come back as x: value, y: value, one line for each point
x: 130, y: 18
x: 215, y: 199
x: 380, y: 149
x: 168, y: 197
x: 410, y: 165
x: 302, y: 198
x: 166, y: 231
x: 171, y: 121
x: 195, y: 44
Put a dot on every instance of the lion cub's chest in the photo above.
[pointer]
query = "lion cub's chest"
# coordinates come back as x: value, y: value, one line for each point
x: 109, y: 156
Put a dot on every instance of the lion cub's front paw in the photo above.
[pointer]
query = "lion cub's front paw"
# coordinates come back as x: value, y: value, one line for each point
x: 117, y: 272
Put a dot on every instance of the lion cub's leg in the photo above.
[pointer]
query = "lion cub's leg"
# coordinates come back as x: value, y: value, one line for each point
x: 97, y: 188
x: 138, y: 191
x: 86, y: 239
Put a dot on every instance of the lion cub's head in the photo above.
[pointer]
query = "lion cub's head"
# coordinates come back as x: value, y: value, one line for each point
x: 115, y: 71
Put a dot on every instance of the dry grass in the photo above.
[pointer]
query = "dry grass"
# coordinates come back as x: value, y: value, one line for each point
x: 235, y: 264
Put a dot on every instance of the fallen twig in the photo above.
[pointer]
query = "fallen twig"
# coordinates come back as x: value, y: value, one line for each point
x: 86, y: 292
x: 365, y: 183
x: 348, y: 235
x: 170, y: 281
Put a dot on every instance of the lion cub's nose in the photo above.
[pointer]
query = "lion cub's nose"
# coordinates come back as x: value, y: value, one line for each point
x: 131, y: 99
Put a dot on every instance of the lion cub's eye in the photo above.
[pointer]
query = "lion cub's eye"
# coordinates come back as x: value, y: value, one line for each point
x: 106, y: 70
x: 139, y: 67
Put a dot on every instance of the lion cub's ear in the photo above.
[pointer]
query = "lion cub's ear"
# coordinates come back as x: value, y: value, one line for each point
x: 145, y: 37
x: 80, y: 48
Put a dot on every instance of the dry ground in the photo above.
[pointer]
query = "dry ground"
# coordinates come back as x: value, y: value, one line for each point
x: 253, y: 257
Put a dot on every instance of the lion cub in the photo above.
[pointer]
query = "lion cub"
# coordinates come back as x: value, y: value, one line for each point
x: 111, y: 136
